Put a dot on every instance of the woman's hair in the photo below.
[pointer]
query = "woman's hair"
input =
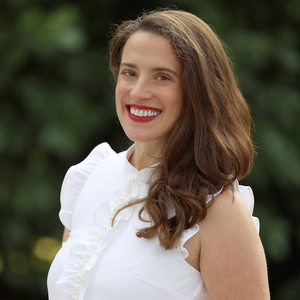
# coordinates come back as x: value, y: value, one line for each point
x: 210, y: 145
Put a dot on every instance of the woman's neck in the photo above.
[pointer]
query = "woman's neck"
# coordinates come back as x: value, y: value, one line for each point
x: 145, y: 156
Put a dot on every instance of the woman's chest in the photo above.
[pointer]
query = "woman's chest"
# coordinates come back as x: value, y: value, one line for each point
x: 141, y: 268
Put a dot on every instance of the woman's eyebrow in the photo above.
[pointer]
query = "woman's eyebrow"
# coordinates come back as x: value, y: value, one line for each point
x: 157, y: 69
x: 124, y: 64
x: 166, y: 70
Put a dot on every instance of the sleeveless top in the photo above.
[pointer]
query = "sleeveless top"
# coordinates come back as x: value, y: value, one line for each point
x: 103, y: 262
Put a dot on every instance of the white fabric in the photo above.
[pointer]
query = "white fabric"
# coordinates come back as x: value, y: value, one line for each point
x: 110, y: 263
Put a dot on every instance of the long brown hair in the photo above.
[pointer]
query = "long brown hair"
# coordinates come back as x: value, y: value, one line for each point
x: 210, y: 145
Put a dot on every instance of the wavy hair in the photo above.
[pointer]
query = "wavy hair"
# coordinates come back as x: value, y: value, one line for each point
x: 210, y: 145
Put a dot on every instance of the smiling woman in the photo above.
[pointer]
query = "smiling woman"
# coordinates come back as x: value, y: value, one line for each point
x: 165, y: 219
x: 149, y: 91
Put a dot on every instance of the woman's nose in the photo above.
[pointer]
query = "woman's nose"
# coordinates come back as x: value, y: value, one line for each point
x: 141, y: 90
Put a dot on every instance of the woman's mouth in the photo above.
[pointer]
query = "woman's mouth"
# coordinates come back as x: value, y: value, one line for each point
x: 142, y: 113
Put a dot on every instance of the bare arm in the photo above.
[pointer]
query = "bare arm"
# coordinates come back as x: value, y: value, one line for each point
x: 232, y: 259
x: 66, y: 235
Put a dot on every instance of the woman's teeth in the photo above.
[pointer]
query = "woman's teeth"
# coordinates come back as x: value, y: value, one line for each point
x: 143, y: 113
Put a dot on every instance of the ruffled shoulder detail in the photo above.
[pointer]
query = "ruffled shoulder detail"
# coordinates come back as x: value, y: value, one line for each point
x: 186, y: 235
x: 75, y: 178
x: 245, y: 192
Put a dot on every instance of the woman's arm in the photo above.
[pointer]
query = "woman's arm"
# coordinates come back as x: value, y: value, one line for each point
x: 66, y: 235
x: 232, y: 260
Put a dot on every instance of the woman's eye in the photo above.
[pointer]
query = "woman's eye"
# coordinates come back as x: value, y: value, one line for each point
x: 163, y: 78
x: 128, y: 73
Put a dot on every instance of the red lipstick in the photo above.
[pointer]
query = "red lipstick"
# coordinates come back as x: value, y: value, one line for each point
x: 141, y: 107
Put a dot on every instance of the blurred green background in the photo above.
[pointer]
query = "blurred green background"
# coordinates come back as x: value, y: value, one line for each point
x: 57, y: 103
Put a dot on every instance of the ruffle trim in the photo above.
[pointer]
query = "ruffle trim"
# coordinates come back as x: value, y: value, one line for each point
x: 245, y: 192
x: 75, y: 178
x: 73, y: 281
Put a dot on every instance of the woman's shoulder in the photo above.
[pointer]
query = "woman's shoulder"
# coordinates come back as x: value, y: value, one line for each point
x: 231, y: 255
x: 76, y: 177
x: 77, y: 174
x: 235, y: 200
x: 233, y: 206
x: 99, y: 153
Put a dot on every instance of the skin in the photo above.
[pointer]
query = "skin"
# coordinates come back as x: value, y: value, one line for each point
x: 66, y: 235
x: 227, y: 249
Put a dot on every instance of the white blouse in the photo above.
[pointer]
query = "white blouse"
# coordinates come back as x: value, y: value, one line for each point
x: 103, y: 262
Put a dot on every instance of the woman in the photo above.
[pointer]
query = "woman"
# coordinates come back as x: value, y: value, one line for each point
x: 165, y: 219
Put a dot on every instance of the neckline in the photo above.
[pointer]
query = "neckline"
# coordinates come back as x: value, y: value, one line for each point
x: 132, y: 171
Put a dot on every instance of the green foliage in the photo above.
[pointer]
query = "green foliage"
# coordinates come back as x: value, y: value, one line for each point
x: 56, y: 104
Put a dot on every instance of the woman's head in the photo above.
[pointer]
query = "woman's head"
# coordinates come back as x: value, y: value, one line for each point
x: 193, y: 41
x: 215, y: 120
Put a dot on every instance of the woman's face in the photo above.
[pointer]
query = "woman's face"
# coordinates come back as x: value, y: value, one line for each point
x: 149, y: 92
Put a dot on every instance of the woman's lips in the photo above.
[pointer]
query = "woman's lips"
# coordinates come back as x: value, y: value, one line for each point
x: 140, y: 113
